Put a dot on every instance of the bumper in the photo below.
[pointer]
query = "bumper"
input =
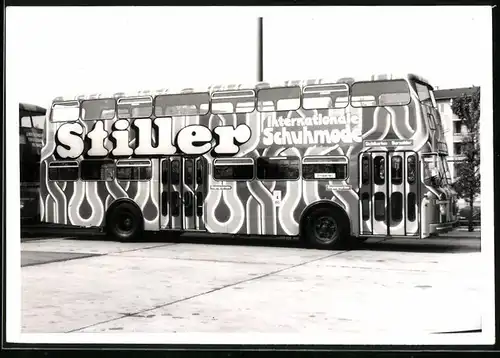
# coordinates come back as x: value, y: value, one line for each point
x: 441, y: 227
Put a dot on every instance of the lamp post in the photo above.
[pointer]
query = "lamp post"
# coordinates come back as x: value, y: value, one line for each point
x: 260, y: 51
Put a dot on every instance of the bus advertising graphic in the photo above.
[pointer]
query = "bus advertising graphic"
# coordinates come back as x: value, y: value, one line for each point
x: 324, y: 161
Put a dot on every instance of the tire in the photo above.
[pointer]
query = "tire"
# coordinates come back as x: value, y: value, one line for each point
x: 326, y: 228
x: 125, y: 222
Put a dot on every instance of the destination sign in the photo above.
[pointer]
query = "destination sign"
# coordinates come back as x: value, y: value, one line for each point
x: 388, y: 143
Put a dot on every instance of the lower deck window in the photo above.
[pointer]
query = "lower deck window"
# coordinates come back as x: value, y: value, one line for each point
x: 99, y: 170
x: 231, y: 169
x: 324, y: 168
x: 133, y: 170
x: 278, y: 168
x: 63, y: 171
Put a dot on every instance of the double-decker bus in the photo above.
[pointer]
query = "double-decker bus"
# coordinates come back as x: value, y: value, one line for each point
x: 329, y: 162
x: 31, y: 124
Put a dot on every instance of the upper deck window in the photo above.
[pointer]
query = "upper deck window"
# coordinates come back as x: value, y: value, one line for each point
x: 380, y: 93
x: 424, y: 94
x: 184, y: 104
x: 135, y: 107
x: 68, y: 111
x: 278, y: 99
x: 98, y: 109
x: 325, y: 96
x: 240, y: 101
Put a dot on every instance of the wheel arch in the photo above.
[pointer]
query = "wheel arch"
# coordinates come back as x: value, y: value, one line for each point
x: 323, y: 204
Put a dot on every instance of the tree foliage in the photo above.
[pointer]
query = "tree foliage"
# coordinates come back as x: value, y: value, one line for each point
x: 468, y: 183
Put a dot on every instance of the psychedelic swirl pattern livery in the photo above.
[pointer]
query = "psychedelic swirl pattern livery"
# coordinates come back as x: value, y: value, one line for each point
x: 247, y: 207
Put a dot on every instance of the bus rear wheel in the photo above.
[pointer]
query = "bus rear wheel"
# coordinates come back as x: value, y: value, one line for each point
x: 124, y: 222
x: 325, y: 229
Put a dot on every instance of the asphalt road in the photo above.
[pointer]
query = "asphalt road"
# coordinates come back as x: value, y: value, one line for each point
x: 262, y: 286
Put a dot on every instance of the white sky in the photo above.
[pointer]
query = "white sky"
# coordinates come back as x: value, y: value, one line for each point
x: 445, y: 45
x: 53, y: 51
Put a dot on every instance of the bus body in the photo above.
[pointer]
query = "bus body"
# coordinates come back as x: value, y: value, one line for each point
x: 31, y: 123
x: 327, y: 161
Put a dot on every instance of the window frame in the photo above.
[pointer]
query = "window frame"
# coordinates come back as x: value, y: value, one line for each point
x: 411, y: 210
x: 377, y: 100
x: 234, y: 162
x: 215, y: 96
x: 179, y: 180
x: 329, y: 95
x: 294, y: 157
x: 55, y: 164
x: 120, y: 99
x: 327, y: 159
x: 110, y: 161
x: 171, y: 95
x: 432, y: 121
x: 376, y: 174
x: 426, y: 169
x: 185, y: 171
x: 409, y: 163
x: 67, y: 104
x: 97, y: 100
x: 397, y: 180
x: 397, y: 209
x: 146, y: 163
x: 425, y: 86
x: 276, y: 107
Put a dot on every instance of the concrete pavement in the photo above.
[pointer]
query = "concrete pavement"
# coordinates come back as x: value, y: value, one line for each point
x: 426, y: 286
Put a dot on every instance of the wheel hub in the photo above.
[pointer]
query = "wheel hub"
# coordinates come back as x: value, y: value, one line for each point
x: 125, y: 222
x: 325, y: 229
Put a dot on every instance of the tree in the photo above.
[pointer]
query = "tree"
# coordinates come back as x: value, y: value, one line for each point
x: 468, y: 183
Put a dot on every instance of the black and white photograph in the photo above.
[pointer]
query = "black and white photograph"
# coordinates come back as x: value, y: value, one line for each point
x: 250, y: 175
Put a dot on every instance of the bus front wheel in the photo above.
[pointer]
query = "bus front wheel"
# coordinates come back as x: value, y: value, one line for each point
x: 124, y: 222
x: 325, y: 228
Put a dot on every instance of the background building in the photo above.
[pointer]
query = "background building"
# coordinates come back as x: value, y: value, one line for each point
x: 453, y: 128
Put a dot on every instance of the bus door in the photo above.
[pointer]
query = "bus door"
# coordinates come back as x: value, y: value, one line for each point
x: 388, y: 194
x: 182, y: 193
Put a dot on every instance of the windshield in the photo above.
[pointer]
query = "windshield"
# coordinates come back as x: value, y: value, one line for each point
x: 431, y: 170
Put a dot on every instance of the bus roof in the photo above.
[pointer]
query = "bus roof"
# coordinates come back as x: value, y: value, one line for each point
x: 30, y: 109
x: 220, y: 87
